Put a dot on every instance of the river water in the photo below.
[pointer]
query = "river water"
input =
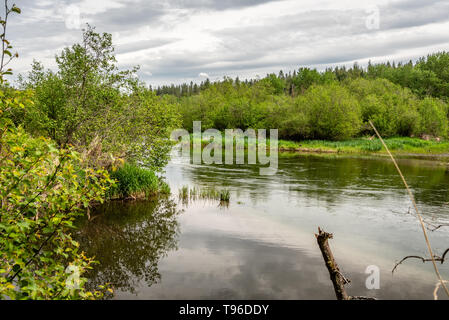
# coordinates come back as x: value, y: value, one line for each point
x: 262, y: 245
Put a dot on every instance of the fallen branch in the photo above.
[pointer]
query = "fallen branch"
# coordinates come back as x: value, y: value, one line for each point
x: 337, y: 278
x: 435, y: 258
x: 434, y: 227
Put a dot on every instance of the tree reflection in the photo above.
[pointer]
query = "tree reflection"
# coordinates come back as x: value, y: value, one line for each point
x: 128, y: 239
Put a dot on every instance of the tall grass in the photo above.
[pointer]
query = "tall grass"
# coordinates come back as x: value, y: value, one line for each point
x: 398, y: 144
x: 133, y: 181
x: 356, y: 145
x: 187, y: 194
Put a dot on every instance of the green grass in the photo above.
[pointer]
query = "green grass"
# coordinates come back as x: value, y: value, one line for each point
x: 133, y: 181
x: 398, y: 145
x: 187, y: 194
x: 366, y: 145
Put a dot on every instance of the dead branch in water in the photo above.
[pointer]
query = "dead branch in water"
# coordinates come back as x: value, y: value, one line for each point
x: 436, y: 227
x: 435, y: 258
x: 421, y: 221
x: 337, y: 278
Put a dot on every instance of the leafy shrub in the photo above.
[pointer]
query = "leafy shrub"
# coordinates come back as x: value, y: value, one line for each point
x: 433, y: 114
x: 332, y: 113
x: 164, y: 188
x: 391, y: 108
x: 89, y: 100
x: 43, y: 190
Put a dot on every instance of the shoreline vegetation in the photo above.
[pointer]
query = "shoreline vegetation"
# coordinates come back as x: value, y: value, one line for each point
x: 133, y: 182
x: 187, y: 194
x: 402, y: 146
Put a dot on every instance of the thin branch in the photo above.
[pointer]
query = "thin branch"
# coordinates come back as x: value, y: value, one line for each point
x: 436, y: 258
x: 437, y: 287
x: 434, y: 227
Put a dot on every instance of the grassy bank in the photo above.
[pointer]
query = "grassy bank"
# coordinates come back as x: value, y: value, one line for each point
x: 133, y: 182
x: 398, y: 145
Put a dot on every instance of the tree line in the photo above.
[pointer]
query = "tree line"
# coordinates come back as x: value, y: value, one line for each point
x: 401, y: 99
x: 428, y: 76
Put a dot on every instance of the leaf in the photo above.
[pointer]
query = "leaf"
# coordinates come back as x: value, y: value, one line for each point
x: 16, y: 9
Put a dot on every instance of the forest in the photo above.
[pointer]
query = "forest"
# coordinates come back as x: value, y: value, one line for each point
x: 402, y: 100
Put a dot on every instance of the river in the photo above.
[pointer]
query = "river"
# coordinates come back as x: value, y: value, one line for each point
x: 262, y: 245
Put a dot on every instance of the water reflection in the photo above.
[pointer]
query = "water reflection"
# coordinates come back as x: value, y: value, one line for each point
x: 333, y: 178
x: 262, y: 245
x: 129, y: 239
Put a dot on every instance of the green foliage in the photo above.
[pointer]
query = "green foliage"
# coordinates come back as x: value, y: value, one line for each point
x: 368, y: 144
x: 134, y: 181
x: 433, y: 114
x: 225, y: 195
x: 402, y: 100
x: 89, y: 101
x: 43, y: 189
x: 186, y: 194
x: 164, y: 188
x: 331, y: 112
x: 391, y: 108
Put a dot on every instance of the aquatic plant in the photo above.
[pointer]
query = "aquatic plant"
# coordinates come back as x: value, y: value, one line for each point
x: 164, y: 188
x: 134, y: 181
x: 186, y: 194
x: 225, y: 195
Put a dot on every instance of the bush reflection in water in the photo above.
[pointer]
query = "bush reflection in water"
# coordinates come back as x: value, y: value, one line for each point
x: 128, y: 239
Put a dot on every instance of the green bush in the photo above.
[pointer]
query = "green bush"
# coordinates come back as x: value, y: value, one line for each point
x: 164, y: 188
x: 134, y: 181
x: 391, y: 108
x: 331, y: 112
x: 433, y: 114
x: 43, y: 190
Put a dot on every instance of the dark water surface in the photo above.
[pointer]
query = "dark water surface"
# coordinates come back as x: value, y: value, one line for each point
x: 262, y: 246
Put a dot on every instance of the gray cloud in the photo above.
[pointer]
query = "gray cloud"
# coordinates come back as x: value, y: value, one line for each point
x: 177, y: 40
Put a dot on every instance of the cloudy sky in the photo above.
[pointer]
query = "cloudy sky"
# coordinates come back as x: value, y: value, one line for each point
x: 182, y: 40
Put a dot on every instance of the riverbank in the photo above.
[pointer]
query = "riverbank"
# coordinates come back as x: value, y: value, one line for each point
x: 364, y: 145
x: 400, y: 145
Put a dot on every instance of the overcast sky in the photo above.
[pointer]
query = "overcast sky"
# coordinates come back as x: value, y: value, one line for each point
x: 184, y: 40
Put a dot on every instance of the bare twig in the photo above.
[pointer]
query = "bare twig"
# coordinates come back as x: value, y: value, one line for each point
x: 436, y: 227
x: 437, y: 287
x: 426, y: 238
x: 436, y: 258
